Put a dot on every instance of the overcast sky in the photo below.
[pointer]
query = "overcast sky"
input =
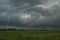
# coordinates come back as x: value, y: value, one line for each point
x: 29, y: 12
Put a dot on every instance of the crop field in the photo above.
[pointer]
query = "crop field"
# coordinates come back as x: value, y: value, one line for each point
x: 29, y: 35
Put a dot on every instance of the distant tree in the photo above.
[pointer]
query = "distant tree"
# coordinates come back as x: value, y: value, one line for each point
x: 11, y: 29
x: 4, y: 29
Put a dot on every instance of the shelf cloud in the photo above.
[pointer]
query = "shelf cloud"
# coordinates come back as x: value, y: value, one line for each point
x: 29, y: 12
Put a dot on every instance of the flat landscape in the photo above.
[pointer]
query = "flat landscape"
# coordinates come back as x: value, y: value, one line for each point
x: 29, y: 35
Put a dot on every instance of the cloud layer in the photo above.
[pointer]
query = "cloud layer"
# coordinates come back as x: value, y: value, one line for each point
x: 29, y: 12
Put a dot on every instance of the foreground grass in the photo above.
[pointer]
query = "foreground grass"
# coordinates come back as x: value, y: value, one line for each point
x: 29, y: 35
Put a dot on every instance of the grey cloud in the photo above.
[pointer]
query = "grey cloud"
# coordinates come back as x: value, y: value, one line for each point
x: 41, y: 12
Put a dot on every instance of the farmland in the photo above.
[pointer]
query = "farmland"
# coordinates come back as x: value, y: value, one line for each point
x: 29, y: 35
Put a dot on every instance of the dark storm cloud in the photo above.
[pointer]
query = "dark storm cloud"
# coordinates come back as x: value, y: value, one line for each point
x: 19, y: 2
x: 29, y: 12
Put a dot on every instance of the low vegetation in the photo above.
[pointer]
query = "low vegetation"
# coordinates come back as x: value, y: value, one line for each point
x: 29, y: 35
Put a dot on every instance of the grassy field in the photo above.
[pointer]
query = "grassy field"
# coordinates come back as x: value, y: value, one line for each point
x: 29, y: 35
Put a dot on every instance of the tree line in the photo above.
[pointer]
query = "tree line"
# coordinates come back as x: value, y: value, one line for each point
x: 6, y: 29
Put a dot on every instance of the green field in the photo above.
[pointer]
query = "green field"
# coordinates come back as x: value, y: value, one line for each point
x: 29, y: 35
